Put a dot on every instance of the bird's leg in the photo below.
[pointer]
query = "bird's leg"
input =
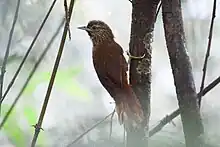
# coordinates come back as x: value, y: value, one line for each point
x: 67, y: 18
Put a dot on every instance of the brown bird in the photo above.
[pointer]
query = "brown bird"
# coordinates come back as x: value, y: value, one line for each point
x: 111, y: 67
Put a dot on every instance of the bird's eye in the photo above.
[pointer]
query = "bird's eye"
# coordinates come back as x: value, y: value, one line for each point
x: 94, y: 27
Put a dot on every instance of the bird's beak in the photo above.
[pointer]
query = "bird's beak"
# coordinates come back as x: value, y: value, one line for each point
x: 84, y: 28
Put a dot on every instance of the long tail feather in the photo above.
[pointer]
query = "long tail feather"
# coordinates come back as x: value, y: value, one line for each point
x: 128, y: 108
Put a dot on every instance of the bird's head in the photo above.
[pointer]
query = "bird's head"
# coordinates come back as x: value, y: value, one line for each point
x: 98, y: 31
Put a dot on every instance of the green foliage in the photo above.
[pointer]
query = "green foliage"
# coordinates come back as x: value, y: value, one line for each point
x: 30, y: 114
x: 64, y: 81
x: 12, y: 128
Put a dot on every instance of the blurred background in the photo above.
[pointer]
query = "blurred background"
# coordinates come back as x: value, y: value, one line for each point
x: 78, y: 100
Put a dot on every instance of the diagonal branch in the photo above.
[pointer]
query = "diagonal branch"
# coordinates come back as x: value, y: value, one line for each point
x: 3, y: 68
x: 52, y: 79
x: 90, y: 129
x: 173, y: 115
x: 27, y: 53
x: 31, y: 75
x: 208, y: 50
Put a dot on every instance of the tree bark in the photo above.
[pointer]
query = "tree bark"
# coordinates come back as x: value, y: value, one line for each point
x: 182, y: 73
x: 142, y: 26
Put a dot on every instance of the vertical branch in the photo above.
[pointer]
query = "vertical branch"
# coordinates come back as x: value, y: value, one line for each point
x: 182, y: 72
x: 52, y: 79
x: 3, y: 68
x: 142, y: 26
x: 208, y: 50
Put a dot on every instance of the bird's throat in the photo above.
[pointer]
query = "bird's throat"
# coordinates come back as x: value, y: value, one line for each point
x: 100, y: 40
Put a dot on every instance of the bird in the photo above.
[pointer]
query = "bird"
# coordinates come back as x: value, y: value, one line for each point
x: 111, y: 68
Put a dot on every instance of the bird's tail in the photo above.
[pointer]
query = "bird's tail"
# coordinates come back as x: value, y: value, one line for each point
x: 128, y: 108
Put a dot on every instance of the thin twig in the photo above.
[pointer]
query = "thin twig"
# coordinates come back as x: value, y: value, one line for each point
x: 169, y: 118
x: 158, y: 10
x: 67, y: 15
x: 208, y: 50
x: 31, y: 75
x: 90, y: 129
x: 52, y: 79
x: 3, y: 68
x: 27, y: 53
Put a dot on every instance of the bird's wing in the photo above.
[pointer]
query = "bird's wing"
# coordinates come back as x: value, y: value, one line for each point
x: 116, y: 65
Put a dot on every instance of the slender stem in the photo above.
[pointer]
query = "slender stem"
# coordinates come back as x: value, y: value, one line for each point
x: 27, y: 53
x: 31, y: 75
x: 3, y: 69
x: 208, y: 50
x: 90, y: 129
x: 50, y: 86
x: 67, y: 15
x: 158, y: 10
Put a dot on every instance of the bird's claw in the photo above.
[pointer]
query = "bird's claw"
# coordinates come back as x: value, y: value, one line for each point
x: 134, y: 57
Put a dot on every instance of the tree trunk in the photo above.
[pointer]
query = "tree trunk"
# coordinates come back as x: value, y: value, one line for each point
x: 182, y: 73
x: 142, y: 26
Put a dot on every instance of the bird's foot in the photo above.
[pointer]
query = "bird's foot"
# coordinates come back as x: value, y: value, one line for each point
x: 134, y: 57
